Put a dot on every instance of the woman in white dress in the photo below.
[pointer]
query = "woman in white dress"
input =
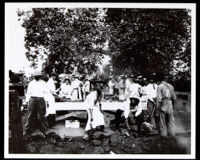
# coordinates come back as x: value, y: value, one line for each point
x: 66, y: 90
x: 95, y: 114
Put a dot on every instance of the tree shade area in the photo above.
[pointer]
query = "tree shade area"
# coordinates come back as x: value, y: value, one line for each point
x: 138, y: 41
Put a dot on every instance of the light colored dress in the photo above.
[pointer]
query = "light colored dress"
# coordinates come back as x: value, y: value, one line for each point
x: 50, y: 98
x: 86, y: 88
x: 93, y: 112
x: 66, y: 91
x: 76, y: 90
x: 127, y: 87
x: 121, y: 89
x: 111, y: 86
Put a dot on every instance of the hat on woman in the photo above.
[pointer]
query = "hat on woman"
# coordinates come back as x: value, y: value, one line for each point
x: 37, y: 73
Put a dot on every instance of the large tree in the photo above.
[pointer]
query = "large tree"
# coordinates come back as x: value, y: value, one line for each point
x: 148, y: 40
x: 139, y: 40
x: 72, y: 40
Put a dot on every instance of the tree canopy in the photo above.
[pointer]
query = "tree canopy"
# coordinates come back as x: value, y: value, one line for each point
x: 139, y: 40
x: 72, y: 39
x: 148, y: 40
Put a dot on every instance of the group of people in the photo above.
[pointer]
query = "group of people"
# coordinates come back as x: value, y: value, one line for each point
x: 73, y: 89
x: 146, y: 101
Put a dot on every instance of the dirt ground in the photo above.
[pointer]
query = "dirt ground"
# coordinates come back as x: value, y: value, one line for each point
x: 113, y: 142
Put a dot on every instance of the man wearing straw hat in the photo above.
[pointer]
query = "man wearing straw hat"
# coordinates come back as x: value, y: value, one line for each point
x: 36, y: 100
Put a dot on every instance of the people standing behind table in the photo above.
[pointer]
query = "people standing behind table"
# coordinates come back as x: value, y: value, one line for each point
x: 111, y: 85
x: 36, y: 99
x: 116, y: 87
x: 127, y: 86
x: 65, y: 93
x: 165, y: 101
x: 86, y: 87
x: 76, y: 89
x: 121, y: 87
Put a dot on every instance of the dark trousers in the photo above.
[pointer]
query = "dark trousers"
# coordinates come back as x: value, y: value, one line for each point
x: 118, y: 114
x: 51, y: 120
x: 36, y: 117
x: 139, y: 119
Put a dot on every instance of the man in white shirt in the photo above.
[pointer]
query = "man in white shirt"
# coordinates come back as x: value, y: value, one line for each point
x: 132, y: 105
x: 36, y: 99
x: 136, y: 106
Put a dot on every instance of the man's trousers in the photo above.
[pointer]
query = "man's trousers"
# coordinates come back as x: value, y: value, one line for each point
x: 139, y: 119
x: 36, y: 116
x: 166, y: 124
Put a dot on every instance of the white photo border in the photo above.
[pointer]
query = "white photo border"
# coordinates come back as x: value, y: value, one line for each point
x: 191, y: 6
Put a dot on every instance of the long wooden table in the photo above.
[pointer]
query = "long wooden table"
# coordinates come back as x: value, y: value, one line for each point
x: 82, y: 106
x: 78, y: 108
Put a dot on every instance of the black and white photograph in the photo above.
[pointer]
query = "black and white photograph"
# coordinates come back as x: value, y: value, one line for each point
x: 100, y: 80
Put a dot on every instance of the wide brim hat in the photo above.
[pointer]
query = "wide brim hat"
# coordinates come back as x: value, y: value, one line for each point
x: 37, y: 73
